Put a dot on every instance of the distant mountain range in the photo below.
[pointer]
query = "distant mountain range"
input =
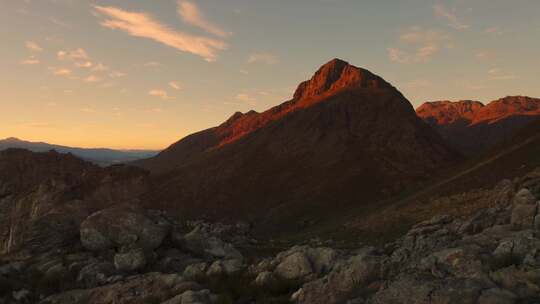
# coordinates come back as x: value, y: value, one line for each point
x: 473, y: 128
x: 98, y: 156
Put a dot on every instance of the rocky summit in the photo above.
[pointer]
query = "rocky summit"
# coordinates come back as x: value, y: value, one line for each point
x: 472, y: 127
x: 346, y: 138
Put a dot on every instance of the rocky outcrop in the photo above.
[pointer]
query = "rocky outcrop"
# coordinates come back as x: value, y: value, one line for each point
x: 45, y: 196
x: 472, y: 128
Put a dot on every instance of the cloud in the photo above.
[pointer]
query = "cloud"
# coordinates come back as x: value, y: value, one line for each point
x: 32, y: 46
x: 495, y: 31
x: 60, y: 71
x: 74, y: 55
x: 175, y: 85
x: 246, y: 98
x: 498, y: 74
x: 92, y: 79
x: 85, y: 64
x: 100, y: 68
x: 160, y: 93
x: 117, y: 74
x: 450, y: 16
x: 263, y: 57
x: 419, y: 46
x: 144, y: 26
x: 483, y: 54
x: 152, y: 64
x: 30, y: 61
x: 192, y: 15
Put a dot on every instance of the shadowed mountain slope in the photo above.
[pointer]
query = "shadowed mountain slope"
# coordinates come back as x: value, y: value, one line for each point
x: 347, y: 137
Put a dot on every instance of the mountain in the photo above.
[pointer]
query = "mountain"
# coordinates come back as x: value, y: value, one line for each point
x: 347, y: 137
x: 99, y: 156
x: 472, y: 127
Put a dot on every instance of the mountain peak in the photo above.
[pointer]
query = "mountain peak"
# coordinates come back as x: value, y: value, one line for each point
x: 12, y: 139
x: 337, y: 75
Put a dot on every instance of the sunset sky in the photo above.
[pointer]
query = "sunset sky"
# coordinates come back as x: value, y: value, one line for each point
x: 143, y: 74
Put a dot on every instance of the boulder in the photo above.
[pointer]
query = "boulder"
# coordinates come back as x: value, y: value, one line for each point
x: 195, y: 271
x: 203, y: 243
x: 95, y: 274
x: 294, y: 267
x: 193, y: 297
x: 130, y: 260
x: 265, y: 279
x: 123, y: 226
x: 497, y: 296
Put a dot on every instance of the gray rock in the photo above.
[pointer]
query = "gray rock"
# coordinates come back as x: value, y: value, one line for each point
x: 195, y: 271
x: 130, y: 260
x: 497, y: 296
x: 123, y: 226
x: 201, y: 242
x: 95, y: 274
x: 294, y: 267
x: 193, y: 297
x: 265, y: 279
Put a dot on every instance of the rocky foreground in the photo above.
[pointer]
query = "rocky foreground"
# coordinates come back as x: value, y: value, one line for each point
x: 126, y: 254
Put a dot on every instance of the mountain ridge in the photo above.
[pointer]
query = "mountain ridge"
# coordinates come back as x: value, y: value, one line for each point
x: 472, y: 127
x: 101, y: 156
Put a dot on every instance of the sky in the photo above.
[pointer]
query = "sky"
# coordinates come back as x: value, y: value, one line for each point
x: 143, y: 74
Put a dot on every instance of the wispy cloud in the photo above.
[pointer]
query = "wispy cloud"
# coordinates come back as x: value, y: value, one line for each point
x: 499, y: 74
x: 79, y: 54
x: 33, y: 46
x: 160, y: 93
x: 419, y: 46
x: 92, y: 79
x: 142, y: 25
x: 495, y: 31
x: 263, y: 57
x: 175, y: 85
x: 450, y: 16
x: 246, y: 98
x: 191, y: 14
x: 30, y: 61
x: 60, y: 71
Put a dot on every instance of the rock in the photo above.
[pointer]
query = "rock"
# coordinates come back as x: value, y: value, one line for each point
x: 193, y: 297
x: 523, y: 215
x: 497, y: 296
x: 354, y: 274
x: 95, y: 274
x: 21, y: 295
x: 139, y: 289
x: 294, y: 267
x: 265, y: 279
x: 227, y: 267
x: 130, y: 260
x: 524, y: 197
x: 195, y: 271
x: 201, y: 242
x: 123, y: 226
